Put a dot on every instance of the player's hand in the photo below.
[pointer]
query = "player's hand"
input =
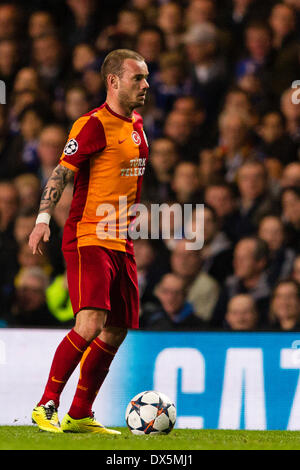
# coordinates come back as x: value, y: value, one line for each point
x: 40, y: 234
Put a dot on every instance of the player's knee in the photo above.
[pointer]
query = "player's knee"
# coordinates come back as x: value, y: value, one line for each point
x: 89, y: 323
x: 113, y: 335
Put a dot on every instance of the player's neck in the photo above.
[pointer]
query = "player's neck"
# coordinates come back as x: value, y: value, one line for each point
x: 118, y: 108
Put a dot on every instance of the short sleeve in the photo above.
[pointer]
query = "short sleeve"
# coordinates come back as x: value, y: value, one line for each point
x: 86, y: 138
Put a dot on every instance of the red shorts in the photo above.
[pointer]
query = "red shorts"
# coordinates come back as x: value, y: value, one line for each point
x: 104, y: 279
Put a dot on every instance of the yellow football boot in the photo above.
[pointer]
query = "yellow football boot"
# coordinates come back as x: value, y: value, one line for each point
x: 85, y: 425
x: 45, y: 416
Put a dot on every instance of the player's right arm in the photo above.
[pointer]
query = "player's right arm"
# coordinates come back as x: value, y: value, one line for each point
x: 57, y: 182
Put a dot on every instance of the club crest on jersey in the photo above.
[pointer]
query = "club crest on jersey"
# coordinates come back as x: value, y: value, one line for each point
x: 136, y: 137
x: 71, y: 147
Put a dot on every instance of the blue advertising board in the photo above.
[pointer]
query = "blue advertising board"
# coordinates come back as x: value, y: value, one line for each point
x: 217, y: 380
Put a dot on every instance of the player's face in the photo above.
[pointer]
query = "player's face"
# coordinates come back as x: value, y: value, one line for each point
x: 133, y: 84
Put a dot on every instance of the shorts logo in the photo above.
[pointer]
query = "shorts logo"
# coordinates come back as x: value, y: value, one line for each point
x: 136, y: 137
x: 71, y: 147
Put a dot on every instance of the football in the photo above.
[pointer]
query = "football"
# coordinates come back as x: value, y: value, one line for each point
x: 150, y: 412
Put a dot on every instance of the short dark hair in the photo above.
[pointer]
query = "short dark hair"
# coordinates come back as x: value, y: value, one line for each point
x: 113, y: 62
x: 261, y: 249
x: 287, y: 281
x: 293, y: 189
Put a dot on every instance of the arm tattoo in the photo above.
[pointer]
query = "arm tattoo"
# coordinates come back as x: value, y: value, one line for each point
x: 57, y: 182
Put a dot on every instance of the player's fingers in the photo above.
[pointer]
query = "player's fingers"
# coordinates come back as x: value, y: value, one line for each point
x: 46, y: 237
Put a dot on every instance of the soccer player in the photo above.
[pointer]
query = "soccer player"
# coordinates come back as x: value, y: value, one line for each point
x: 106, y: 154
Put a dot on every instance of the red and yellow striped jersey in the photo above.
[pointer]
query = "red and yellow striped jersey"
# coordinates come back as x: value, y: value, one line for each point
x: 108, y: 154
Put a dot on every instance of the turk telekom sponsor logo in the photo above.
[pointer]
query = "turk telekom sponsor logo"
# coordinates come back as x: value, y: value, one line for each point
x: 154, y: 221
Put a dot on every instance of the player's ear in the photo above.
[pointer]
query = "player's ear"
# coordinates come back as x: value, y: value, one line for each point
x: 112, y: 80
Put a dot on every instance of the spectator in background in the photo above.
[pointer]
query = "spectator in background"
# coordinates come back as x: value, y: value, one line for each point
x: 123, y: 33
x: 170, y: 81
x: 10, y: 17
x: 150, y: 44
x: 250, y: 262
x: 202, y: 290
x: 29, y: 308
x: 274, y: 140
x: 222, y: 198
x: 150, y: 267
x: 234, y: 141
x: 82, y: 24
x: 283, y: 23
x: 171, y: 311
x: 200, y: 11
x: 26, y: 79
x: 83, y: 55
x: 9, y: 57
x: 211, y: 166
x: 285, y: 306
x: 242, y: 314
x: 238, y: 101
x: 48, y: 58
x: 185, y: 183
x: 179, y: 127
x: 129, y: 23
x: 41, y: 23
x: 240, y: 13
x: 50, y: 146
x: 77, y: 103
x: 281, y: 258
x: 290, y: 201
x: 5, y: 143
x: 24, y: 224
x: 27, y: 260
x: 296, y: 269
x: 157, y: 180
x: 208, y: 69
x: 254, y: 70
x: 290, y: 108
x: 290, y: 175
x: 29, y: 189
x: 170, y: 21
x: 191, y: 106
x: 216, y: 252
x: 24, y: 151
x: 255, y: 200
x: 9, y: 205
x: 92, y: 81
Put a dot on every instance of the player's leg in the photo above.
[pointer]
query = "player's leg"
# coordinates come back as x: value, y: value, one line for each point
x: 89, y: 324
x: 96, y: 361
x: 94, y: 368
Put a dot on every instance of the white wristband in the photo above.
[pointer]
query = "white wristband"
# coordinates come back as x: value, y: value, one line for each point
x: 43, y: 218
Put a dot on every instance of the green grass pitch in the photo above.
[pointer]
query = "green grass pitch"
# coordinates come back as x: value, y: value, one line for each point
x: 30, y: 438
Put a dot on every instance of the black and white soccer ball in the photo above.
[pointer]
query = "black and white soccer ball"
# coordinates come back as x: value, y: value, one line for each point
x: 150, y: 412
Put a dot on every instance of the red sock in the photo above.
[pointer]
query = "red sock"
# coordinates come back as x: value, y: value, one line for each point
x: 94, y: 368
x: 66, y: 358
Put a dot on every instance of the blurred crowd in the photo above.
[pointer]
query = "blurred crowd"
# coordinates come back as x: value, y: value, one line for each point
x: 222, y: 119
